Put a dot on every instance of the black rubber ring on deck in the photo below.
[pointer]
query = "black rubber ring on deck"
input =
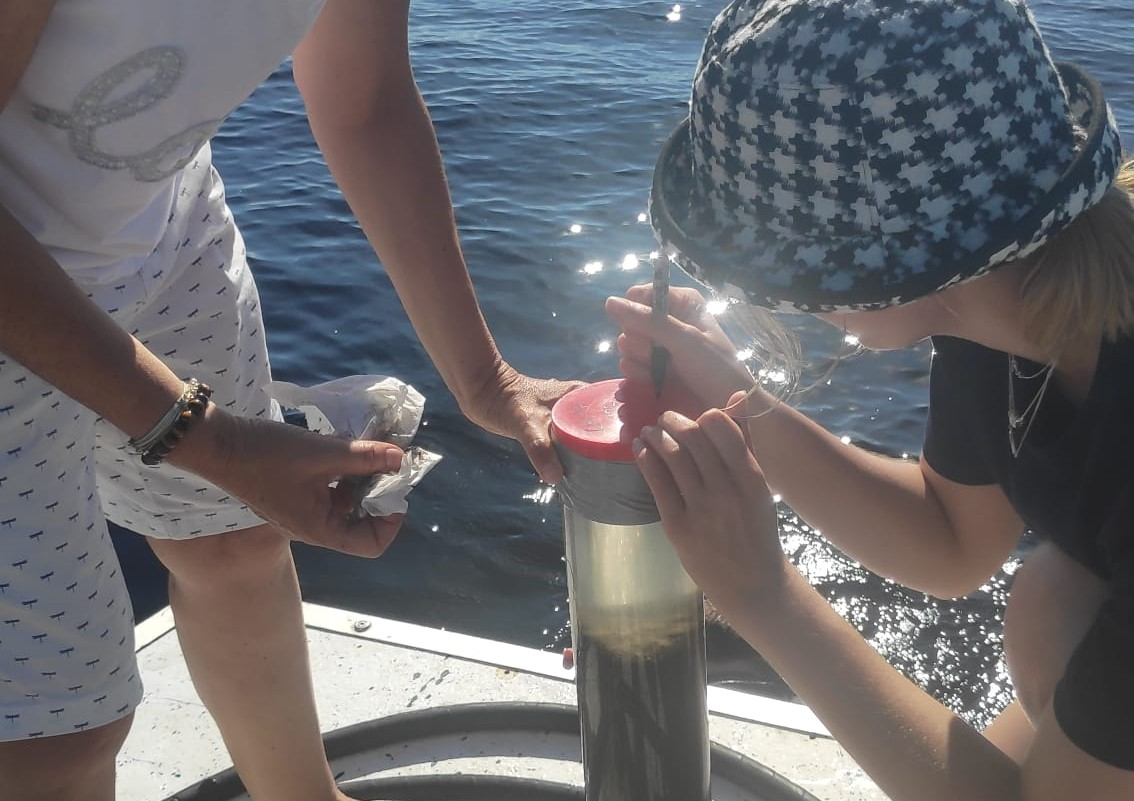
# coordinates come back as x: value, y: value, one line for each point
x: 460, y: 719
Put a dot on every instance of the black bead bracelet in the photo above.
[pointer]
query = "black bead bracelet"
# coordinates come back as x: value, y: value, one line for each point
x: 163, y: 438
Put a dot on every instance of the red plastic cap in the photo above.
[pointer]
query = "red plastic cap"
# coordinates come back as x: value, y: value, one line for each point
x: 601, y: 421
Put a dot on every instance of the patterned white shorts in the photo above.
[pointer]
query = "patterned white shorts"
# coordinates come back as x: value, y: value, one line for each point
x: 66, y: 625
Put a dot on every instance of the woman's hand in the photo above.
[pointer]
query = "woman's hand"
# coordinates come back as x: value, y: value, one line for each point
x: 715, y: 507
x: 700, y: 354
x: 283, y: 471
x: 517, y: 406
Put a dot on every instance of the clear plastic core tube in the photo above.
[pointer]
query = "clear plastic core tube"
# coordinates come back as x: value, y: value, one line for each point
x: 637, y: 623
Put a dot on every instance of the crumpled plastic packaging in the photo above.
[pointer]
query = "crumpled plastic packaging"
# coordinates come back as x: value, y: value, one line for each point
x: 374, y: 407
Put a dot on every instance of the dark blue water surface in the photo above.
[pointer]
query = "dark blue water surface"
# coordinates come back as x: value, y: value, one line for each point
x: 549, y: 116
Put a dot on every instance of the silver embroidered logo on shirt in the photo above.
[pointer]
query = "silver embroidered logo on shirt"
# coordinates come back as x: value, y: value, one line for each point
x: 93, y: 110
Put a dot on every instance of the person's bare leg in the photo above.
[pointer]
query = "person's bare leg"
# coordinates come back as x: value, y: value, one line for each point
x: 235, y: 598
x: 1053, y: 602
x: 70, y: 767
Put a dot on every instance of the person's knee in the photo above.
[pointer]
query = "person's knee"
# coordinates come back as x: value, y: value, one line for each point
x: 233, y: 558
x: 1052, y: 604
x: 63, y: 767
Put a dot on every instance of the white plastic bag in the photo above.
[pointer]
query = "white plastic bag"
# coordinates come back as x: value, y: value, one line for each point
x: 372, y: 407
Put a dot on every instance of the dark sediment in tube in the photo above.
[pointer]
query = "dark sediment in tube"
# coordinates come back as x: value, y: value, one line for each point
x: 641, y: 680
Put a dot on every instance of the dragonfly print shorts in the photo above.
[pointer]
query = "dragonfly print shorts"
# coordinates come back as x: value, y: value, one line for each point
x: 66, y: 625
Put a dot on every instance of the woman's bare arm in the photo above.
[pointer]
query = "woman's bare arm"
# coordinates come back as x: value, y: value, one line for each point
x: 48, y: 324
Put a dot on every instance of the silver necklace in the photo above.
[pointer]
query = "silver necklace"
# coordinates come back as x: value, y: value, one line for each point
x: 1020, y: 422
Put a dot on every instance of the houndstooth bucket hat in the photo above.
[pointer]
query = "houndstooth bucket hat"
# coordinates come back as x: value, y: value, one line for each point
x: 857, y: 154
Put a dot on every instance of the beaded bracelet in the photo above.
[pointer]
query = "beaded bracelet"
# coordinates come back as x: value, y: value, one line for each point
x: 156, y: 444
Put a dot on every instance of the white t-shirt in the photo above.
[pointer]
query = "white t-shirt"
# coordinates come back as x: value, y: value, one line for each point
x: 119, y: 97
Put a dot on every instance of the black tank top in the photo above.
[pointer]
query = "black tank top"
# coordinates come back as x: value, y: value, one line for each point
x: 1072, y: 482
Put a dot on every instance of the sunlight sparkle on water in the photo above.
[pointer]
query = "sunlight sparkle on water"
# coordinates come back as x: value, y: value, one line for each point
x: 592, y: 267
x: 629, y: 262
x: 542, y: 494
x: 603, y: 347
x: 745, y: 354
x: 674, y: 15
x: 716, y: 306
x: 851, y: 340
x: 773, y: 376
x: 642, y: 217
x: 845, y: 440
x: 576, y: 228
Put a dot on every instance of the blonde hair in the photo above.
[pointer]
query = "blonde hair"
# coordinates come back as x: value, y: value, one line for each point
x: 1082, y: 280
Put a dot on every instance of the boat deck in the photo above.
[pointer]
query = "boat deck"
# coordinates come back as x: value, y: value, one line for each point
x: 367, y: 668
